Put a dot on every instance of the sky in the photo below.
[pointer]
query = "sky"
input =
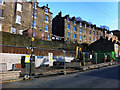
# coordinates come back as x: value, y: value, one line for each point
x: 99, y: 13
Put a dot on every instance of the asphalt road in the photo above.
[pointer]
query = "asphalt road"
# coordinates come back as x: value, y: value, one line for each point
x: 107, y: 77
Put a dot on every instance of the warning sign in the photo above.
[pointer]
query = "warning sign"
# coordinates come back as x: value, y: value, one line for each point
x: 50, y: 55
x: 27, y: 59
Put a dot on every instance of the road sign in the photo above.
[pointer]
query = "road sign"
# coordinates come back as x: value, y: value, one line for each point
x: 50, y: 55
x: 27, y: 59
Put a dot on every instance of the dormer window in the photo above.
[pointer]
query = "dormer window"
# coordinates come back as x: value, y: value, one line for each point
x: 68, y: 19
x: 35, y: 5
x: 80, y: 24
x: 46, y: 10
x: 74, y: 22
x: 90, y: 27
x: 85, y: 25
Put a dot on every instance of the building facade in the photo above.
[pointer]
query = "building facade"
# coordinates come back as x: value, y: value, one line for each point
x: 110, y: 36
x: 18, y: 17
x: 73, y: 30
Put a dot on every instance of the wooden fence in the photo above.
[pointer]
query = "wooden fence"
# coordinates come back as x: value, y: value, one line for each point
x: 36, y: 51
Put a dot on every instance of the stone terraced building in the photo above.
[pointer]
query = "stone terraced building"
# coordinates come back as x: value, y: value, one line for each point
x: 73, y: 30
x: 16, y: 18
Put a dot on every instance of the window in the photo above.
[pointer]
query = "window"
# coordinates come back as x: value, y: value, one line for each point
x: 46, y: 28
x: 13, y: 30
x: 80, y: 38
x: 46, y: 18
x: 21, y: 32
x: 67, y: 34
x: 85, y: 25
x: 68, y: 26
x: 2, y: 1
x: 74, y: 28
x: 90, y: 32
x: 35, y: 5
x: 93, y: 32
x: 34, y: 24
x: 89, y: 39
x: 35, y: 13
x: 48, y: 37
x: 97, y: 33
x: 74, y: 22
x: 85, y: 38
x: 68, y: 19
x: 80, y: 30
x: 69, y: 41
x: 19, y: 0
x: 85, y: 31
x: 46, y: 10
x: 19, y: 7
x: 93, y: 28
x: 1, y: 12
x: 74, y: 36
x: 18, y: 19
x: 100, y: 34
x: 0, y: 26
x: 93, y: 38
x: 80, y: 24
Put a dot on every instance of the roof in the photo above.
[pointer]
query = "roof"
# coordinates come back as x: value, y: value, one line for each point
x: 102, y: 45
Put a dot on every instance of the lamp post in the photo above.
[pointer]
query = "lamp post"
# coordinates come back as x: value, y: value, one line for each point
x: 64, y: 63
x: 31, y: 59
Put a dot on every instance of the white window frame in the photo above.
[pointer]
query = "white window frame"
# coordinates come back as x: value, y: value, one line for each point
x: 85, y: 25
x: 80, y: 30
x: 45, y: 18
x: 13, y: 30
x: 67, y: 26
x: 75, y: 29
x: 46, y: 10
x: 68, y: 34
x: 35, y: 5
x: 80, y: 24
x: 75, y: 36
x: 35, y: 13
x: 46, y: 28
x: 48, y: 37
x: 18, y: 19
x: 19, y: 7
x: 34, y: 24
x: 80, y: 38
x: 85, y: 31
x: 20, y: 32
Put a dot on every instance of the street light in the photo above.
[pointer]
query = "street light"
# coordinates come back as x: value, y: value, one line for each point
x: 31, y: 59
x: 64, y: 62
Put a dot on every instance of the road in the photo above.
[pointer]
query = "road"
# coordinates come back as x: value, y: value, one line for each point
x: 106, y: 77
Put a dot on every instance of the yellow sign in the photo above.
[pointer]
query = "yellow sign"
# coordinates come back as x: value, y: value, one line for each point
x: 50, y: 56
x: 33, y: 39
x: 27, y: 59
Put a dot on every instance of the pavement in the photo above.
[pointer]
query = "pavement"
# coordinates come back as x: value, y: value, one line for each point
x: 106, y: 77
x: 57, y: 72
